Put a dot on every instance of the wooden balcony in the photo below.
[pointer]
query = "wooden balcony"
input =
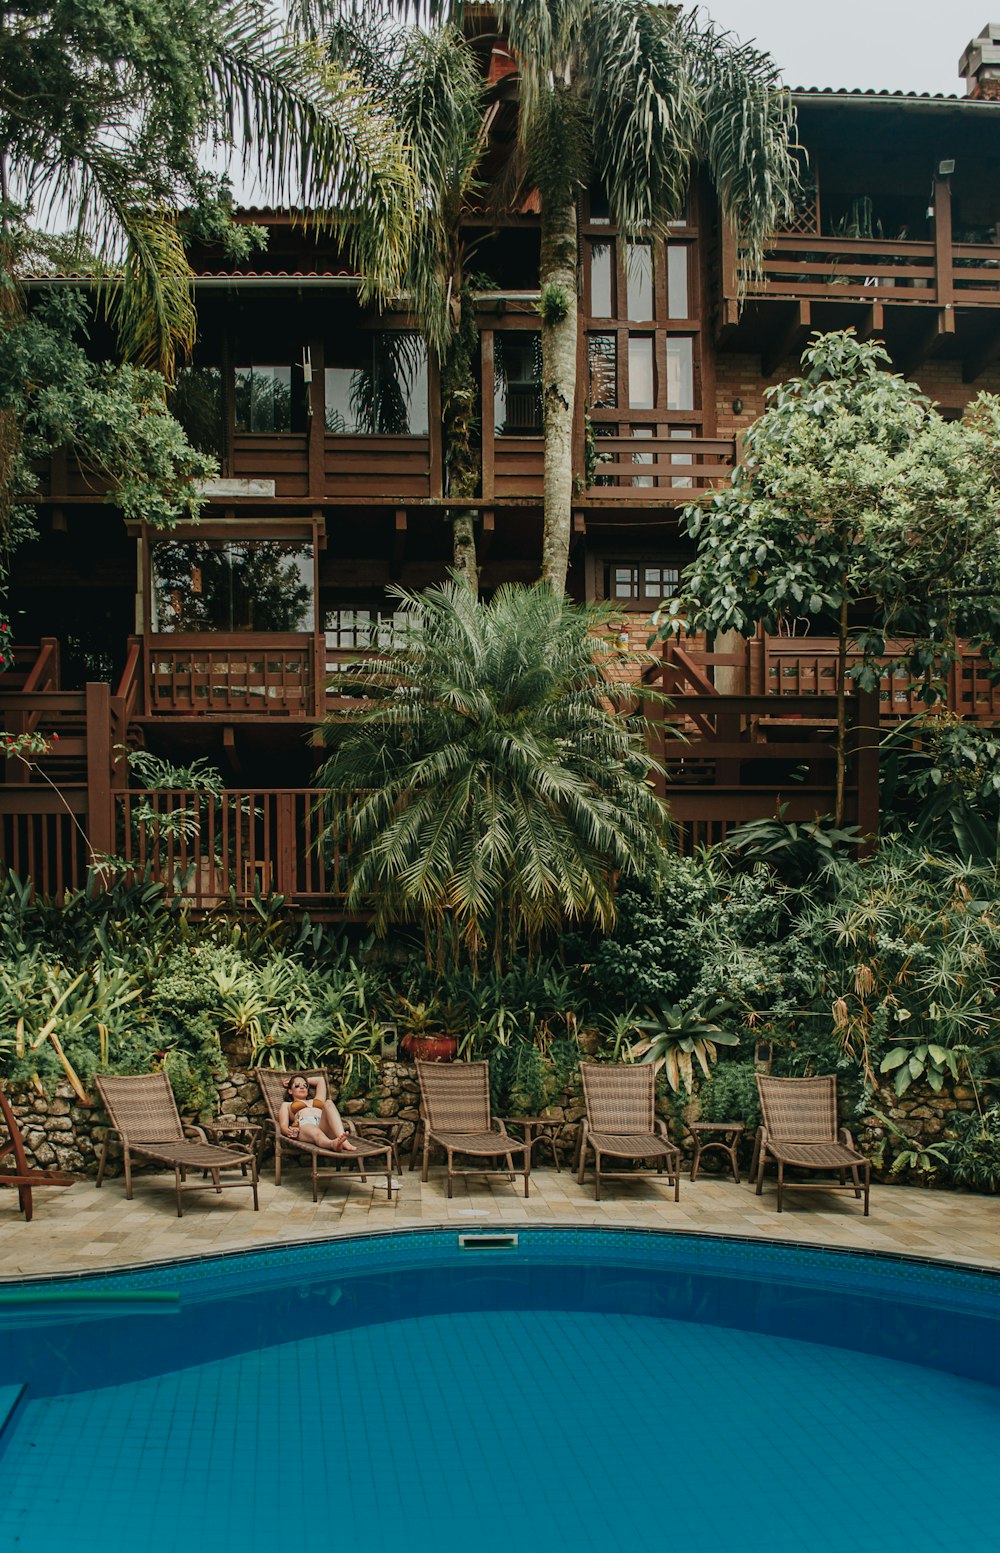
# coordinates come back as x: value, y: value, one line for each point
x: 233, y: 676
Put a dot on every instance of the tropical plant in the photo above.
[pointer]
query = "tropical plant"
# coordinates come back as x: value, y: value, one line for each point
x: 678, y: 1037
x: 853, y: 489
x: 128, y: 157
x: 497, y: 795
x: 940, y: 784
x: 974, y: 1156
x: 629, y: 95
x: 428, y: 82
x: 796, y: 850
x: 908, y: 1155
x: 348, y: 1046
x: 730, y: 1095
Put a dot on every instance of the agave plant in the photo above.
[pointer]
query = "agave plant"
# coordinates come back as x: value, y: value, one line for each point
x: 679, y: 1037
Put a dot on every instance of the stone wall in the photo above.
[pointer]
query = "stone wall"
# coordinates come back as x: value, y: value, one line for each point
x: 61, y: 1133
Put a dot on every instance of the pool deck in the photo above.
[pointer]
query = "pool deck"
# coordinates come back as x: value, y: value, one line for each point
x: 78, y: 1228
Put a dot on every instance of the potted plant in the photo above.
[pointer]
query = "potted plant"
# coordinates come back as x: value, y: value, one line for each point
x: 423, y: 1039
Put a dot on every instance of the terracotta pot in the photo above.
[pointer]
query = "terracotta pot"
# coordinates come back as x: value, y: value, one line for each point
x: 430, y: 1048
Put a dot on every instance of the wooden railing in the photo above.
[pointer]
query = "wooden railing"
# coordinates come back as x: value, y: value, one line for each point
x: 233, y: 675
x: 211, y: 848
x: 378, y: 466
x: 636, y: 470
x: 808, y: 666
x: 812, y: 267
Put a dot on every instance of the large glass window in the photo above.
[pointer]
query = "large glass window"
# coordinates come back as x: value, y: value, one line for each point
x: 641, y: 381
x: 602, y: 356
x: 269, y: 399
x: 678, y: 302
x: 680, y: 372
x: 377, y: 386
x: 639, y: 281
x: 232, y: 585
x: 517, y: 383
x: 602, y: 280
x: 196, y: 399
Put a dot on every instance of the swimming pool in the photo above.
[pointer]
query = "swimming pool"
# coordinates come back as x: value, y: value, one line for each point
x: 592, y: 1389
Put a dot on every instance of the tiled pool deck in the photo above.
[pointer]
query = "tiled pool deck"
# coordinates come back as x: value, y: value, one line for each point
x: 79, y: 1228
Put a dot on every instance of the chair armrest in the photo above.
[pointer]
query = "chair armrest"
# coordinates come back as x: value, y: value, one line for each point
x: 198, y: 1133
x: 499, y: 1125
x: 250, y: 1130
x: 846, y: 1137
x: 660, y: 1126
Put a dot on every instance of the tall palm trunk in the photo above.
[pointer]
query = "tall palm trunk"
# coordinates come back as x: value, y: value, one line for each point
x: 559, y: 343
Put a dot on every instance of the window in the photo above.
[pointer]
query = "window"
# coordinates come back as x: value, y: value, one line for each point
x: 602, y: 257
x: 641, y: 384
x: 639, y: 280
x: 232, y: 585
x: 267, y: 400
x: 517, y: 383
x: 197, y: 401
x: 642, y: 583
x: 678, y: 302
x: 378, y: 387
x: 680, y: 372
x: 602, y: 357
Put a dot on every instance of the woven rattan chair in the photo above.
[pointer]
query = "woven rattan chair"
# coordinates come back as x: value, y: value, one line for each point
x: 800, y: 1129
x: 15, y: 1170
x: 367, y: 1155
x: 144, y: 1116
x: 621, y: 1123
x: 455, y: 1113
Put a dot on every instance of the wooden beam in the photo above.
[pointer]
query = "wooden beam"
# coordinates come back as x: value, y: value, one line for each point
x: 789, y: 342
x: 873, y: 321
x: 486, y: 533
x: 579, y: 532
x: 398, y: 543
x: 929, y: 340
x: 232, y: 755
x: 987, y: 351
x: 943, y: 258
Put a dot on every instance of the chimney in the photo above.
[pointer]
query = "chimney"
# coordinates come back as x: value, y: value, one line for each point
x: 980, y: 65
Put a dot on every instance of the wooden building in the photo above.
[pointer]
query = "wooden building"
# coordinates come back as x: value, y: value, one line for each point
x: 226, y: 640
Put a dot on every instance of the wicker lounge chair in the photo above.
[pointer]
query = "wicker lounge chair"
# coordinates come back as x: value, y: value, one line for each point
x: 144, y: 1116
x: 367, y: 1154
x: 621, y: 1123
x: 20, y: 1174
x: 455, y: 1113
x: 800, y: 1130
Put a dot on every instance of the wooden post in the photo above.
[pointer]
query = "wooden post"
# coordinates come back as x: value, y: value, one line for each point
x: 285, y: 882
x: 488, y: 412
x: 316, y: 392
x: 867, y: 738
x: 943, y: 261
x: 100, y: 804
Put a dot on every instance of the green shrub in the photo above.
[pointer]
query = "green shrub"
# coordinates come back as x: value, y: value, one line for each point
x: 974, y: 1156
x: 730, y: 1095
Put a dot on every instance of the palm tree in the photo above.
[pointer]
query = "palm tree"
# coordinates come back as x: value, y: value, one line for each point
x: 631, y: 95
x: 103, y: 122
x: 496, y: 793
x: 429, y: 82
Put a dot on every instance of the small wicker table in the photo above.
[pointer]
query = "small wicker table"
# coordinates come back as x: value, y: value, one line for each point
x: 386, y: 1129
x: 728, y: 1143
x: 536, y: 1129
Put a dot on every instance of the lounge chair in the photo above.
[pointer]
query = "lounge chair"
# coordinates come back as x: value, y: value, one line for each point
x: 799, y: 1129
x: 621, y: 1123
x: 367, y: 1155
x: 455, y: 1113
x: 144, y: 1116
x: 20, y: 1174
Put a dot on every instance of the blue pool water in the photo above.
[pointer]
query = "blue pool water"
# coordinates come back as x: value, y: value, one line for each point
x: 585, y: 1390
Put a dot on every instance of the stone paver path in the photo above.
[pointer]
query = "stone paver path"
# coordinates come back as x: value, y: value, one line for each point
x: 79, y: 1228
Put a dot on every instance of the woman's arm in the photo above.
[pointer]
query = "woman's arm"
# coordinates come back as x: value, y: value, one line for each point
x: 284, y: 1116
x: 318, y: 1086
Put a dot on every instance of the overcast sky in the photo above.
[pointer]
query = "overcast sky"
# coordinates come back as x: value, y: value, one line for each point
x: 880, y: 43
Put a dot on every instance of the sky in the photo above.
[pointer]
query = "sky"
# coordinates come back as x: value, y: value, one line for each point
x: 879, y: 43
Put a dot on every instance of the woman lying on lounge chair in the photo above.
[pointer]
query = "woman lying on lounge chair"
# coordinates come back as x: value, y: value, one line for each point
x: 306, y: 1113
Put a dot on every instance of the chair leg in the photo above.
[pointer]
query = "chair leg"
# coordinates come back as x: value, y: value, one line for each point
x: 315, y: 1176
x: 253, y: 1182
x: 527, y: 1170
x: 756, y: 1155
x: 128, y: 1174
x: 597, y: 1175
x: 102, y: 1162
x: 868, y: 1182
x: 427, y: 1156
x: 760, y: 1163
x: 24, y: 1202
x: 415, y: 1145
x: 450, y: 1176
x: 677, y: 1178
x: 781, y: 1182
x: 388, y: 1175
x: 581, y: 1163
x: 277, y: 1159
x: 855, y: 1179
x: 178, y: 1177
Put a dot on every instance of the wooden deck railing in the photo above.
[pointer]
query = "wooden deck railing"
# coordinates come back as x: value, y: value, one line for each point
x: 812, y: 267
x: 235, y: 675
x: 637, y: 470
x: 210, y: 848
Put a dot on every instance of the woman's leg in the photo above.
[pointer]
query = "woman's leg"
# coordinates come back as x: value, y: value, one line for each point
x: 333, y: 1125
x: 325, y: 1137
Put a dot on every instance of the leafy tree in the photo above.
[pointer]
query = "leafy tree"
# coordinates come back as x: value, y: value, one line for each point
x: 104, y: 114
x: 854, y: 498
x: 496, y: 794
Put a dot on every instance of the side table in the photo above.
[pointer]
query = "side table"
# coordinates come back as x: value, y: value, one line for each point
x: 731, y: 1132
x: 388, y: 1128
x: 536, y: 1129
